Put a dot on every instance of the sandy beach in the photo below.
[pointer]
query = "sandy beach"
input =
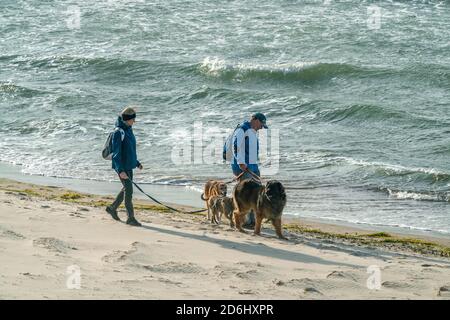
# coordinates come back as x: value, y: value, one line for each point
x: 48, y: 232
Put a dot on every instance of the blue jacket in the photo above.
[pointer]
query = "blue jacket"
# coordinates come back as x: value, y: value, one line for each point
x: 243, y: 131
x: 124, y: 157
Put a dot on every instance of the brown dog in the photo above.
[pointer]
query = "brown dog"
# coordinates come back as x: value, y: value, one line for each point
x: 266, y: 201
x: 221, y: 205
x: 213, y: 188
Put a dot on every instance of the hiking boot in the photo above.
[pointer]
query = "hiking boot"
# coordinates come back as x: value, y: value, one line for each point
x: 133, y: 222
x: 113, y: 213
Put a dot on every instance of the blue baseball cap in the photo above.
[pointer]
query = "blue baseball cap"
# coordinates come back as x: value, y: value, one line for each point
x: 261, y: 117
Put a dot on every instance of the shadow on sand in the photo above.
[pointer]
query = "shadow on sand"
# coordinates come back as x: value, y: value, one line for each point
x: 254, y: 248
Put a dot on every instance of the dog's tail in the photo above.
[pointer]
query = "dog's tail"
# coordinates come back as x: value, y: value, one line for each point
x: 204, y: 199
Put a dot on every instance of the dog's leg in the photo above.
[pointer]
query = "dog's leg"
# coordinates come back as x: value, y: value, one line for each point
x: 217, y: 217
x: 259, y: 219
x: 208, y: 215
x: 277, y: 224
x: 218, y: 214
x: 231, y: 221
x: 213, y: 215
x: 238, y: 221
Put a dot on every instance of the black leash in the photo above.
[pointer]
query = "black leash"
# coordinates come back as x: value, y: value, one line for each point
x: 255, y: 176
x: 173, y: 209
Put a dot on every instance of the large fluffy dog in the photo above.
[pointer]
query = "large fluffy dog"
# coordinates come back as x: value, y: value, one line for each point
x: 213, y: 188
x: 266, y: 201
x: 221, y: 205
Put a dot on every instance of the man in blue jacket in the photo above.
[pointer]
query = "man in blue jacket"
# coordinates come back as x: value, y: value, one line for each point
x: 124, y: 160
x: 245, y: 153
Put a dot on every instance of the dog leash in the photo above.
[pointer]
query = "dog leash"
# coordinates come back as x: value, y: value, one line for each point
x: 180, y: 211
x: 255, y: 176
x: 168, y: 207
x: 235, y: 178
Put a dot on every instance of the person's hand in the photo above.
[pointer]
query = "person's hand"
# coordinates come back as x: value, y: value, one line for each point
x: 243, y: 166
x: 123, y: 175
x: 140, y: 167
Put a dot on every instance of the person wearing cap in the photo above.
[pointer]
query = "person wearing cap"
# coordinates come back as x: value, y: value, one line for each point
x: 245, y: 152
x: 124, y: 160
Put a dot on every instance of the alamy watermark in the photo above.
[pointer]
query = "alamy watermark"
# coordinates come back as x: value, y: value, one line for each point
x: 73, y: 20
x: 374, y: 17
x: 374, y: 280
x: 74, y: 277
x: 201, y: 145
x: 73, y: 12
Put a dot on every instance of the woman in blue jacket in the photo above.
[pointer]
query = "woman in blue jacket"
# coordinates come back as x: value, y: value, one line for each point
x: 124, y: 160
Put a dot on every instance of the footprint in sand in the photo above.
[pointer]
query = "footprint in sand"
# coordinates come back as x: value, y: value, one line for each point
x: 53, y: 244
x: 168, y: 281
x: 396, y: 285
x: 115, y: 256
x: 248, y: 275
x: 175, y: 267
x: 32, y: 276
x: 444, y: 291
x: 307, y: 285
x: 138, y: 255
x: 434, y: 266
x: 247, y: 291
x: 341, y: 275
x: 225, y: 270
x: 77, y: 215
x: 122, y: 255
x: 9, y: 234
x: 312, y: 290
x: 251, y: 264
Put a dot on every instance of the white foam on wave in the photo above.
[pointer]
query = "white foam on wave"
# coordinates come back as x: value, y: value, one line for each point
x: 408, y: 195
x: 324, y: 157
x: 216, y: 66
x: 194, y: 188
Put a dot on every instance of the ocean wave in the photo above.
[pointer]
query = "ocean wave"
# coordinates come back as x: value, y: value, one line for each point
x: 301, y: 71
x: 8, y: 57
x: 97, y: 66
x: 73, y: 62
x: 430, y: 175
x: 383, y: 170
x: 18, y: 91
x: 359, y: 112
x: 367, y: 113
x: 195, y: 188
x: 419, y: 196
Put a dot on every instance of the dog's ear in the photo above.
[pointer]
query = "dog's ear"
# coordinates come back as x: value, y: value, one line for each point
x: 269, y: 190
x: 275, y: 188
x: 282, y: 192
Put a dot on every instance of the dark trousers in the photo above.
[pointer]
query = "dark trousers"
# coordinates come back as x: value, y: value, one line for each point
x: 127, y: 192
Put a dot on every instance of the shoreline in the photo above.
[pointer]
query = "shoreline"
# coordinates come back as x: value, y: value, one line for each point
x: 180, y: 196
x: 44, y: 230
x: 398, y: 242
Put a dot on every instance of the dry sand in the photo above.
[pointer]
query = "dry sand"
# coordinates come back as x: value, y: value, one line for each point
x: 176, y: 256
